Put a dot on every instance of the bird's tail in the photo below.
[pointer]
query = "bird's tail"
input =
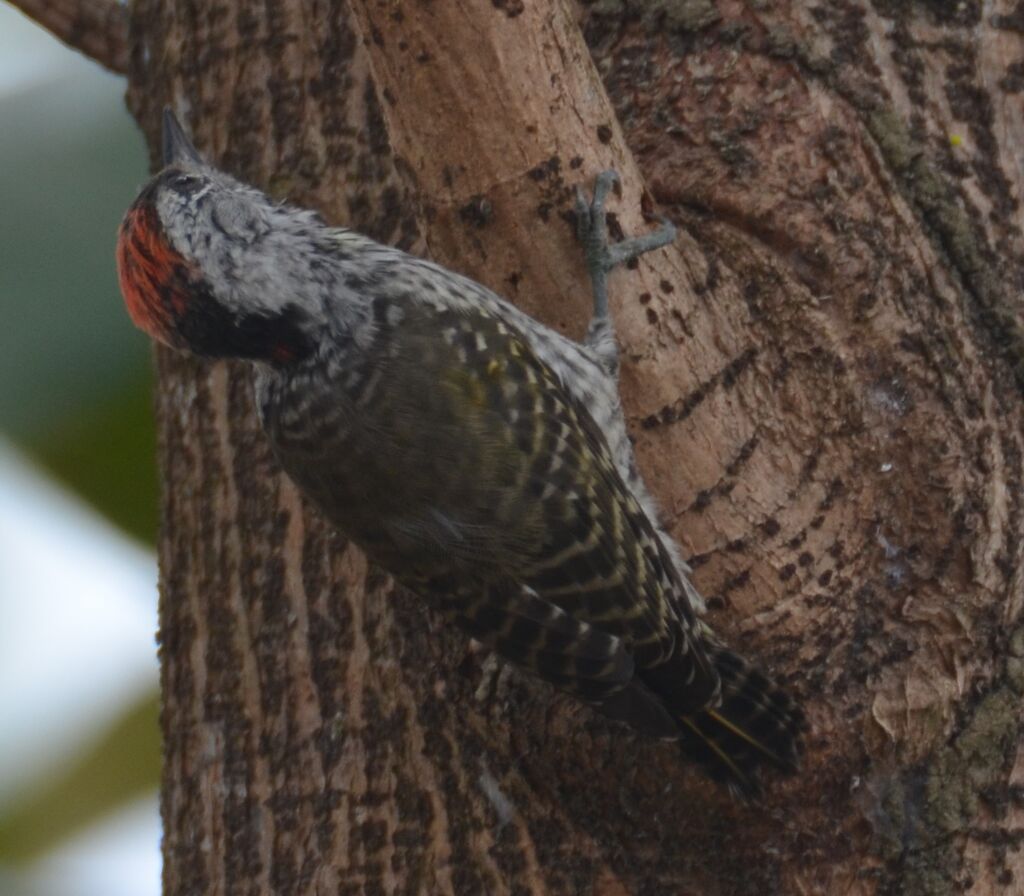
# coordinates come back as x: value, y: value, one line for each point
x: 757, y: 723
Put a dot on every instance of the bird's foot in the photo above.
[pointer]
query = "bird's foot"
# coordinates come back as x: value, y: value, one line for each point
x: 601, y: 255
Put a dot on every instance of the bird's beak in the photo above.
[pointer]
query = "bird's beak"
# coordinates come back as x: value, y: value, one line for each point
x: 177, y: 147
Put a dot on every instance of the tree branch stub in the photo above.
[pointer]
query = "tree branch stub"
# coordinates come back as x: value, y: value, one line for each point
x: 96, y: 28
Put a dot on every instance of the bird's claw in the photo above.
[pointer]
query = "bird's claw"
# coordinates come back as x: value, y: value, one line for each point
x: 602, y: 255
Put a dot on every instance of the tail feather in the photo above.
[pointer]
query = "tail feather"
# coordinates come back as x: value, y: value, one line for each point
x: 756, y: 724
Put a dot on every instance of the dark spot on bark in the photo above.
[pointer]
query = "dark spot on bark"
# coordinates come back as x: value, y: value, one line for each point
x: 616, y: 232
x: 548, y: 168
x: 737, y: 581
x: 787, y: 572
x: 511, y: 8
x: 376, y: 127
x: 477, y: 212
x: 1011, y: 21
x: 834, y: 490
x: 604, y: 133
x: 743, y: 455
x: 683, y: 407
x: 1013, y: 80
x: 735, y: 367
x: 374, y: 834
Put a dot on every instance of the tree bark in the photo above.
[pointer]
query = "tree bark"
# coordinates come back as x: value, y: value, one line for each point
x: 823, y: 377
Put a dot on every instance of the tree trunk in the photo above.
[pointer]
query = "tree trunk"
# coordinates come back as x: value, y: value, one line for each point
x: 823, y: 377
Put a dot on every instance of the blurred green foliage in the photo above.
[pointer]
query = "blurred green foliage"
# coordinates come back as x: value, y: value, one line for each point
x: 75, y: 376
x: 106, y: 452
x: 123, y: 765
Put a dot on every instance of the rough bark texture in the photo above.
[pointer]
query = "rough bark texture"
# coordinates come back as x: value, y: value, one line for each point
x: 823, y: 377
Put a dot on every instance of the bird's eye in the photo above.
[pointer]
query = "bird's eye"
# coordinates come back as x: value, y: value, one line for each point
x: 186, y: 184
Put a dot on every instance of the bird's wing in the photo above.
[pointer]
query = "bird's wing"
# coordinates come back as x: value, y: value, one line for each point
x: 591, y: 560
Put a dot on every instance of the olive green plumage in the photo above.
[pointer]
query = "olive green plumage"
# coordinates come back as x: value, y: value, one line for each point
x: 463, y: 466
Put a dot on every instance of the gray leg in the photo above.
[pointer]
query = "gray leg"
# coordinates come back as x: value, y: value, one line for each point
x: 602, y: 256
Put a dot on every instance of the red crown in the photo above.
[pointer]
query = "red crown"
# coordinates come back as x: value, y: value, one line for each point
x: 152, y: 274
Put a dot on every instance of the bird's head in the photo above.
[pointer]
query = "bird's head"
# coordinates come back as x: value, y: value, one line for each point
x: 212, y: 266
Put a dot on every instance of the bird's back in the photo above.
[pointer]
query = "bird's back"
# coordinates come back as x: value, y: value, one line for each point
x: 456, y: 454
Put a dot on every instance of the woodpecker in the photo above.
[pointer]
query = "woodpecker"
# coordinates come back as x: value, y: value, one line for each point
x: 479, y: 457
